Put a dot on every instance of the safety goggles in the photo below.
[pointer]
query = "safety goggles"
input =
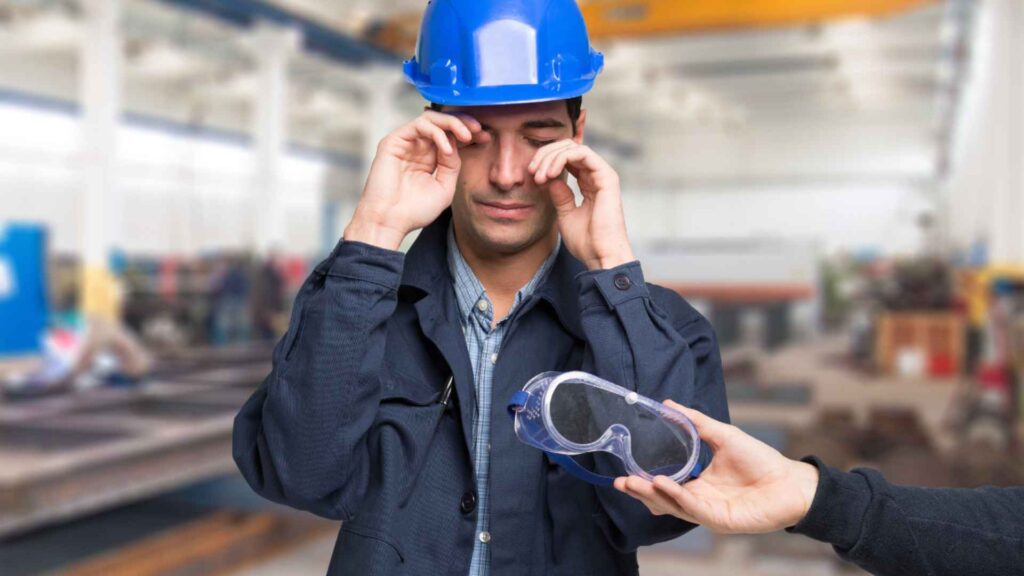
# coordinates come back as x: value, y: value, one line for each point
x: 571, y: 413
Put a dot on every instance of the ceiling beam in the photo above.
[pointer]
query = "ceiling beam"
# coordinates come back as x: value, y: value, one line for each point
x: 643, y: 18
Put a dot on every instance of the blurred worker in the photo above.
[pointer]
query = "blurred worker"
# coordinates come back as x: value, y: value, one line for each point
x: 355, y: 421
x: 229, y: 297
x: 82, y: 352
x: 889, y: 530
x: 268, y: 299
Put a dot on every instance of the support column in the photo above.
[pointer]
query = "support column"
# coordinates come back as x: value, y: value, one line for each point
x: 100, y: 87
x: 379, y: 90
x: 273, y: 48
x: 1007, y: 221
x: 987, y: 183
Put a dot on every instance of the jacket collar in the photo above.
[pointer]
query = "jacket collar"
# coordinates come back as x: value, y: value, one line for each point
x: 426, y: 271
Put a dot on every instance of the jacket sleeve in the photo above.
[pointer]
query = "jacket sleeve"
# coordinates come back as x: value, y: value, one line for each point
x: 648, y: 339
x: 906, y: 531
x: 301, y: 439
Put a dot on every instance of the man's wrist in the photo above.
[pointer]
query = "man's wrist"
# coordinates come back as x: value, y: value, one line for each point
x: 806, y: 484
x: 374, y: 234
x: 612, y: 261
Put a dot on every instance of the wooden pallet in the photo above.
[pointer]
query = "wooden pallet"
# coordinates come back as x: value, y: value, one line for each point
x: 935, y: 334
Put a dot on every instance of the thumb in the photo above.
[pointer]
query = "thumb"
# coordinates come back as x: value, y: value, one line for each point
x: 562, y: 197
x: 710, y: 430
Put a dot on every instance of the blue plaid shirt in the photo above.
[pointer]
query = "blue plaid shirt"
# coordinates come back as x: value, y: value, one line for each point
x: 483, y: 343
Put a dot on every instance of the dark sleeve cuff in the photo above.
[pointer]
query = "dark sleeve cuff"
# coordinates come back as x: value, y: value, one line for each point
x: 611, y: 287
x: 359, y: 261
x: 837, y: 513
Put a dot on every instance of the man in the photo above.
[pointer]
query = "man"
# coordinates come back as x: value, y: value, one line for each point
x: 508, y: 278
x: 885, y: 529
x: 268, y: 304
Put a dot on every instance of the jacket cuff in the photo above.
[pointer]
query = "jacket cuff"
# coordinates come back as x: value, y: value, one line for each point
x: 611, y: 287
x: 838, y: 509
x: 359, y: 261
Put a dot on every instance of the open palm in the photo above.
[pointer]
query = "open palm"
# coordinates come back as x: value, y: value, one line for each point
x: 748, y: 488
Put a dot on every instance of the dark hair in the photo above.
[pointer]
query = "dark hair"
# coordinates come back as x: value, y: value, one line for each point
x: 574, y: 106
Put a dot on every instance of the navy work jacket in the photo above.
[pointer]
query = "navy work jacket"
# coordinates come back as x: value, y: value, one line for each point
x: 350, y: 423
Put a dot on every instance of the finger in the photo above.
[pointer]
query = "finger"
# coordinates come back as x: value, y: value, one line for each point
x: 436, y: 135
x: 575, y: 159
x: 630, y: 488
x: 558, y: 164
x: 562, y: 197
x: 710, y: 430
x: 542, y: 174
x: 451, y: 123
x: 448, y: 166
x: 585, y: 158
x: 546, y: 151
x: 481, y: 137
x: 687, y: 504
x: 469, y: 120
x: 544, y: 169
x: 645, y: 490
x: 542, y: 152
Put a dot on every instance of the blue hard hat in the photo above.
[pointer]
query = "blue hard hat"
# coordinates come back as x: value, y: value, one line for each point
x: 488, y: 52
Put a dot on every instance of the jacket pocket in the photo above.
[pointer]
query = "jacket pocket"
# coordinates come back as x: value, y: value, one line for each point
x: 403, y: 389
x: 365, y: 551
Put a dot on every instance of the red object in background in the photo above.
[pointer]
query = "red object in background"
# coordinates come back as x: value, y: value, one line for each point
x: 993, y: 377
x: 942, y: 365
x: 294, y: 271
x: 168, y: 278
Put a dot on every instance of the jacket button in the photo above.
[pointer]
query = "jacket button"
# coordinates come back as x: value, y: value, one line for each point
x: 468, y: 503
x: 622, y: 282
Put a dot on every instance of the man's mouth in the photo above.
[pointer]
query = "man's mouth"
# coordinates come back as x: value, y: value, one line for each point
x: 506, y: 210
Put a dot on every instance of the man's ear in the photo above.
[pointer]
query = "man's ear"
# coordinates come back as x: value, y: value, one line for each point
x: 581, y: 124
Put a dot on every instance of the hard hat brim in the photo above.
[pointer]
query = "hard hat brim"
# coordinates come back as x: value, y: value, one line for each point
x: 502, y: 95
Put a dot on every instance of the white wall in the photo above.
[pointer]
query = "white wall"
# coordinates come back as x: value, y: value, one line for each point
x: 879, y: 217
x: 843, y: 184
x: 185, y: 195
x: 825, y: 148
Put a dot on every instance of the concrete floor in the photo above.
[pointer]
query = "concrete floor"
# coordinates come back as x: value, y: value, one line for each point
x: 732, y: 556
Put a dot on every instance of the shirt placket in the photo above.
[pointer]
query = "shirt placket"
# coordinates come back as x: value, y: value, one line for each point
x: 483, y: 319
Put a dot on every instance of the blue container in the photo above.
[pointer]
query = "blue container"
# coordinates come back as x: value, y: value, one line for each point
x: 23, y: 294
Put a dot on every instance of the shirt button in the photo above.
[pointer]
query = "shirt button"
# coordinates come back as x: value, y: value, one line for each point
x: 482, y: 305
x: 494, y: 358
x: 485, y: 537
x: 622, y: 282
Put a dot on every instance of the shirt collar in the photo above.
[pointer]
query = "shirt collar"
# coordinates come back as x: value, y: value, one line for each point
x: 468, y: 288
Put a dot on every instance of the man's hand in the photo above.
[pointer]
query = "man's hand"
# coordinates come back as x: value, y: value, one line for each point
x: 749, y: 488
x: 594, y: 231
x: 412, y: 178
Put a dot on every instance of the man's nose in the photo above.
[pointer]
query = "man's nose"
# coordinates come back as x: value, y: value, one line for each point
x: 508, y: 168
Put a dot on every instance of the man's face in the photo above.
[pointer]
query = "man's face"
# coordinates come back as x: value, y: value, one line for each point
x: 498, y: 207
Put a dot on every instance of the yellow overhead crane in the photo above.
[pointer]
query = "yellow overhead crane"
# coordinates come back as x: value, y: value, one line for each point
x: 647, y: 18
x: 642, y: 18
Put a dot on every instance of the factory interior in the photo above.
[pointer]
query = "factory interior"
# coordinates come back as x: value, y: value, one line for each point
x: 837, y: 186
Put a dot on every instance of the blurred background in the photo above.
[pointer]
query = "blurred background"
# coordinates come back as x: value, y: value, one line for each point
x: 838, y: 185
